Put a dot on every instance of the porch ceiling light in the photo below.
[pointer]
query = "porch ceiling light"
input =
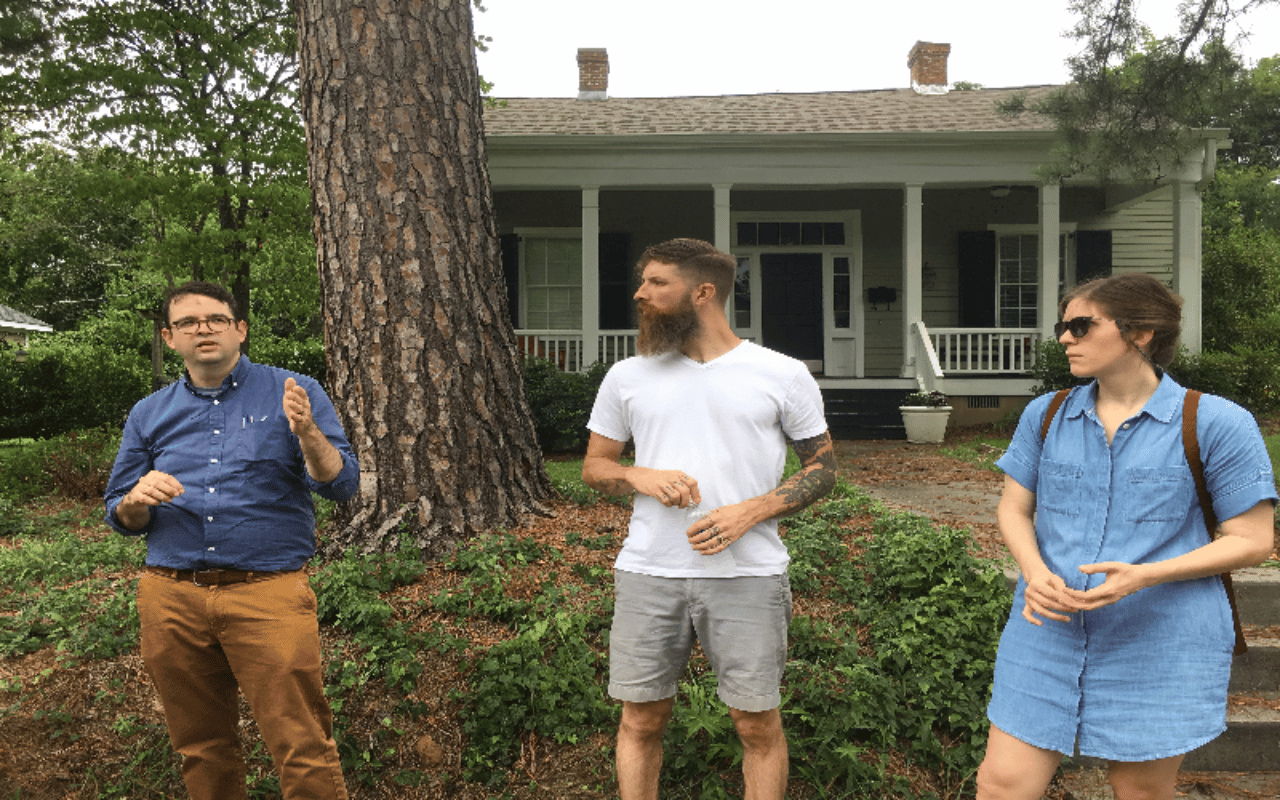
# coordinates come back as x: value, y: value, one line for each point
x: 999, y: 191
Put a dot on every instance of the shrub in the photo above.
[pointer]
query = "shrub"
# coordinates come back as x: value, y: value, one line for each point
x: 304, y: 356
x: 22, y: 471
x: 79, y: 463
x: 71, y: 381
x: 547, y: 680
x: 1051, y: 369
x: 76, y: 465
x: 934, y: 613
x: 560, y: 402
x: 1249, y: 376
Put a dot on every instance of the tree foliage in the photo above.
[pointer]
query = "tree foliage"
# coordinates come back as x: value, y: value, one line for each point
x: 1135, y: 100
x: 63, y: 236
x: 202, y: 92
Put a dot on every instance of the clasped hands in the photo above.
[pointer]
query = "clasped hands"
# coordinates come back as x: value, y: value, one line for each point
x: 711, y: 533
x: 1049, y: 596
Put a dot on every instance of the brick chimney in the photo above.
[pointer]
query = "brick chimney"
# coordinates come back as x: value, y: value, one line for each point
x: 928, y: 64
x: 593, y: 73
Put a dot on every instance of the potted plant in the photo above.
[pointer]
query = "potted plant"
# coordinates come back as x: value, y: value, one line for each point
x: 925, y: 415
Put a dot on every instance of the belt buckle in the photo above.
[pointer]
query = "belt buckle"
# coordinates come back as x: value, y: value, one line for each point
x: 195, y: 577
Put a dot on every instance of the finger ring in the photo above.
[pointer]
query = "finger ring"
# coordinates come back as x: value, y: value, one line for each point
x: 720, y: 539
x: 715, y: 528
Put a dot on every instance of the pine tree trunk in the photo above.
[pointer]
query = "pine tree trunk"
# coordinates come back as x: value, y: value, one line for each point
x: 421, y: 354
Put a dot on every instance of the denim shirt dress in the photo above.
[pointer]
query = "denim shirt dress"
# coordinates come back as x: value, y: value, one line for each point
x: 1145, y: 677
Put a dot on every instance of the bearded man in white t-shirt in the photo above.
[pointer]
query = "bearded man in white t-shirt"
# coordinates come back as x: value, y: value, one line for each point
x: 711, y: 416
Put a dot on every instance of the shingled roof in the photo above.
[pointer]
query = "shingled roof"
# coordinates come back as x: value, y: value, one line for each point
x: 11, y: 318
x: 880, y: 111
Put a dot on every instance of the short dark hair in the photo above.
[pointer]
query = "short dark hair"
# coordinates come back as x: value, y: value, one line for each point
x: 695, y: 260
x: 214, y: 291
x: 1137, y: 302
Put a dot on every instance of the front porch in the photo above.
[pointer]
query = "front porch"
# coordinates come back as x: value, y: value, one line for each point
x: 986, y: 372
x: 948, y: 353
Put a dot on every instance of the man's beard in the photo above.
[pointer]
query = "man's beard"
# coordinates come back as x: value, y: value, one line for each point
x: 666, y: 332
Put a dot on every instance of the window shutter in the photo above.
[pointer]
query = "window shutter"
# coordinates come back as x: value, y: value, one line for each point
x: 1093, y: 255
x: 977, y: 261
x: 510, y: 245
x: 615, y: 281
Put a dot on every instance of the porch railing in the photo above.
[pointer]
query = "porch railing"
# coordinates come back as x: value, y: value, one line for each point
x: 562, y: 347
x: 985, y: 350
x: 617, y: 345
x: 565, y: 347
x: 929, y: 374
x: 938, y: 351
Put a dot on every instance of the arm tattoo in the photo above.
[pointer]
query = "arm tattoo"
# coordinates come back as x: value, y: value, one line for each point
x: 816, y: 479
x: 615, y: 486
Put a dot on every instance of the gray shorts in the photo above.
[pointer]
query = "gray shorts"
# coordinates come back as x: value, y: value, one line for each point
x: 740, y: 622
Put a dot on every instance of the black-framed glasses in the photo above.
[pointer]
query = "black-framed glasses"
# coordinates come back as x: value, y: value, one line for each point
x: 1079, y: 326
x: 215, y: 323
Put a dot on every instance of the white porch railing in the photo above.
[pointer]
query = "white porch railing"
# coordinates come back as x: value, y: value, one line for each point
x: 929, y: 374
x: 562, y: 347
x: 617, y: 345
x: 979, y: 350
x: 565, y: 347
x: 937, y: 352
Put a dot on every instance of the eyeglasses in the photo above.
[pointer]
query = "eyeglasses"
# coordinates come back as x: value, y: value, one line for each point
x: 1079, y: 326
x: 190, y: 325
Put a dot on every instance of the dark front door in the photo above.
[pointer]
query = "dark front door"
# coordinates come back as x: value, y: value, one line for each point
x: 791, y: 317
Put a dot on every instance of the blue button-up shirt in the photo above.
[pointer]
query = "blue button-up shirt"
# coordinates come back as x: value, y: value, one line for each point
x: 1133, y: 500
x: 247, y: 499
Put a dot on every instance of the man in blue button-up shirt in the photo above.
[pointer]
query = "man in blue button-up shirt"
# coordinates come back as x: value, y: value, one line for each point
x: 216, y: 471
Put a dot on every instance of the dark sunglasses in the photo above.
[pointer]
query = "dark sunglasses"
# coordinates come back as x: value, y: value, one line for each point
x: 1079, y: 326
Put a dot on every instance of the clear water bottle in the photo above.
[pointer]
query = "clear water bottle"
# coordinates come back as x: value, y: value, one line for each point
x: 721, y: 562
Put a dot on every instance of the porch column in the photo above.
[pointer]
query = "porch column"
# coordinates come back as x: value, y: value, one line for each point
x: 723, y: 231
x: 912, y: 268
x: 1187, y: 265
x: 1050, y: 230
x: 590, y: 275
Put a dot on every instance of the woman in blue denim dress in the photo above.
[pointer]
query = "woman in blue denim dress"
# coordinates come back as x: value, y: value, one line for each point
x: 1121, y: 635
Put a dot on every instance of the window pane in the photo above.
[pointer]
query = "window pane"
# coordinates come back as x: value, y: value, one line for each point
x: 811, y: 233
x: 746, y: 233
x: 790, y: 233
x: 768, y: 233
x: 841, y: 292
x: 535, y: 261
x: 833, y: 232
x: 553, y: 283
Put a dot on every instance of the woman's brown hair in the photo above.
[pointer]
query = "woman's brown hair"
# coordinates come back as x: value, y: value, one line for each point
x: 1137, y: 302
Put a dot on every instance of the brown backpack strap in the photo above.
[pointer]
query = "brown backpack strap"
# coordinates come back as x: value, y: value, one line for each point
x: 1191, y: 444
x: 1054, y: 405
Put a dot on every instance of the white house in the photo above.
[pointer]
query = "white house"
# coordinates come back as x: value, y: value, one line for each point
x: 891, y: 239
x: 15, y: 326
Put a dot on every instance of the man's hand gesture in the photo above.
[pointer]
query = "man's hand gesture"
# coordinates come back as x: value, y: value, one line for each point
x: 297, y: 408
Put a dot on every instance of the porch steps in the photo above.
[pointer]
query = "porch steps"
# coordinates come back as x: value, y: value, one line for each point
x: 1251, y: 743
x: 864, y: 413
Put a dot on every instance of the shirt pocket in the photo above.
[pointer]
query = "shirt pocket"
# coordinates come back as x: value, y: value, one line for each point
x: 1059, y: 488
x: 263, y: 438
x: 1156, y: 494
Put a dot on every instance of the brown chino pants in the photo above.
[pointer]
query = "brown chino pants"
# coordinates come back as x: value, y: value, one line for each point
x: 200, y: 642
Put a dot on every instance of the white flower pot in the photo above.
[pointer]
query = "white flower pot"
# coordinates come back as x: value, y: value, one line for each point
x: 925, y: 424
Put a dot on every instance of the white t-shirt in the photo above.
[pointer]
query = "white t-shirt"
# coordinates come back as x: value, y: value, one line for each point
x: 726, y: 424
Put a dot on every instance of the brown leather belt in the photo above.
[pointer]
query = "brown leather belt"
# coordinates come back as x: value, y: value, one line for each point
x: 210, y: 577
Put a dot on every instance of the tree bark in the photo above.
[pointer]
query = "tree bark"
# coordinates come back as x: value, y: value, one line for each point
x: 423, y: 366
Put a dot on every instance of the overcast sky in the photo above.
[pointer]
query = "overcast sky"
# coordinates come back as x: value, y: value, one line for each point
x: 672, y: 48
